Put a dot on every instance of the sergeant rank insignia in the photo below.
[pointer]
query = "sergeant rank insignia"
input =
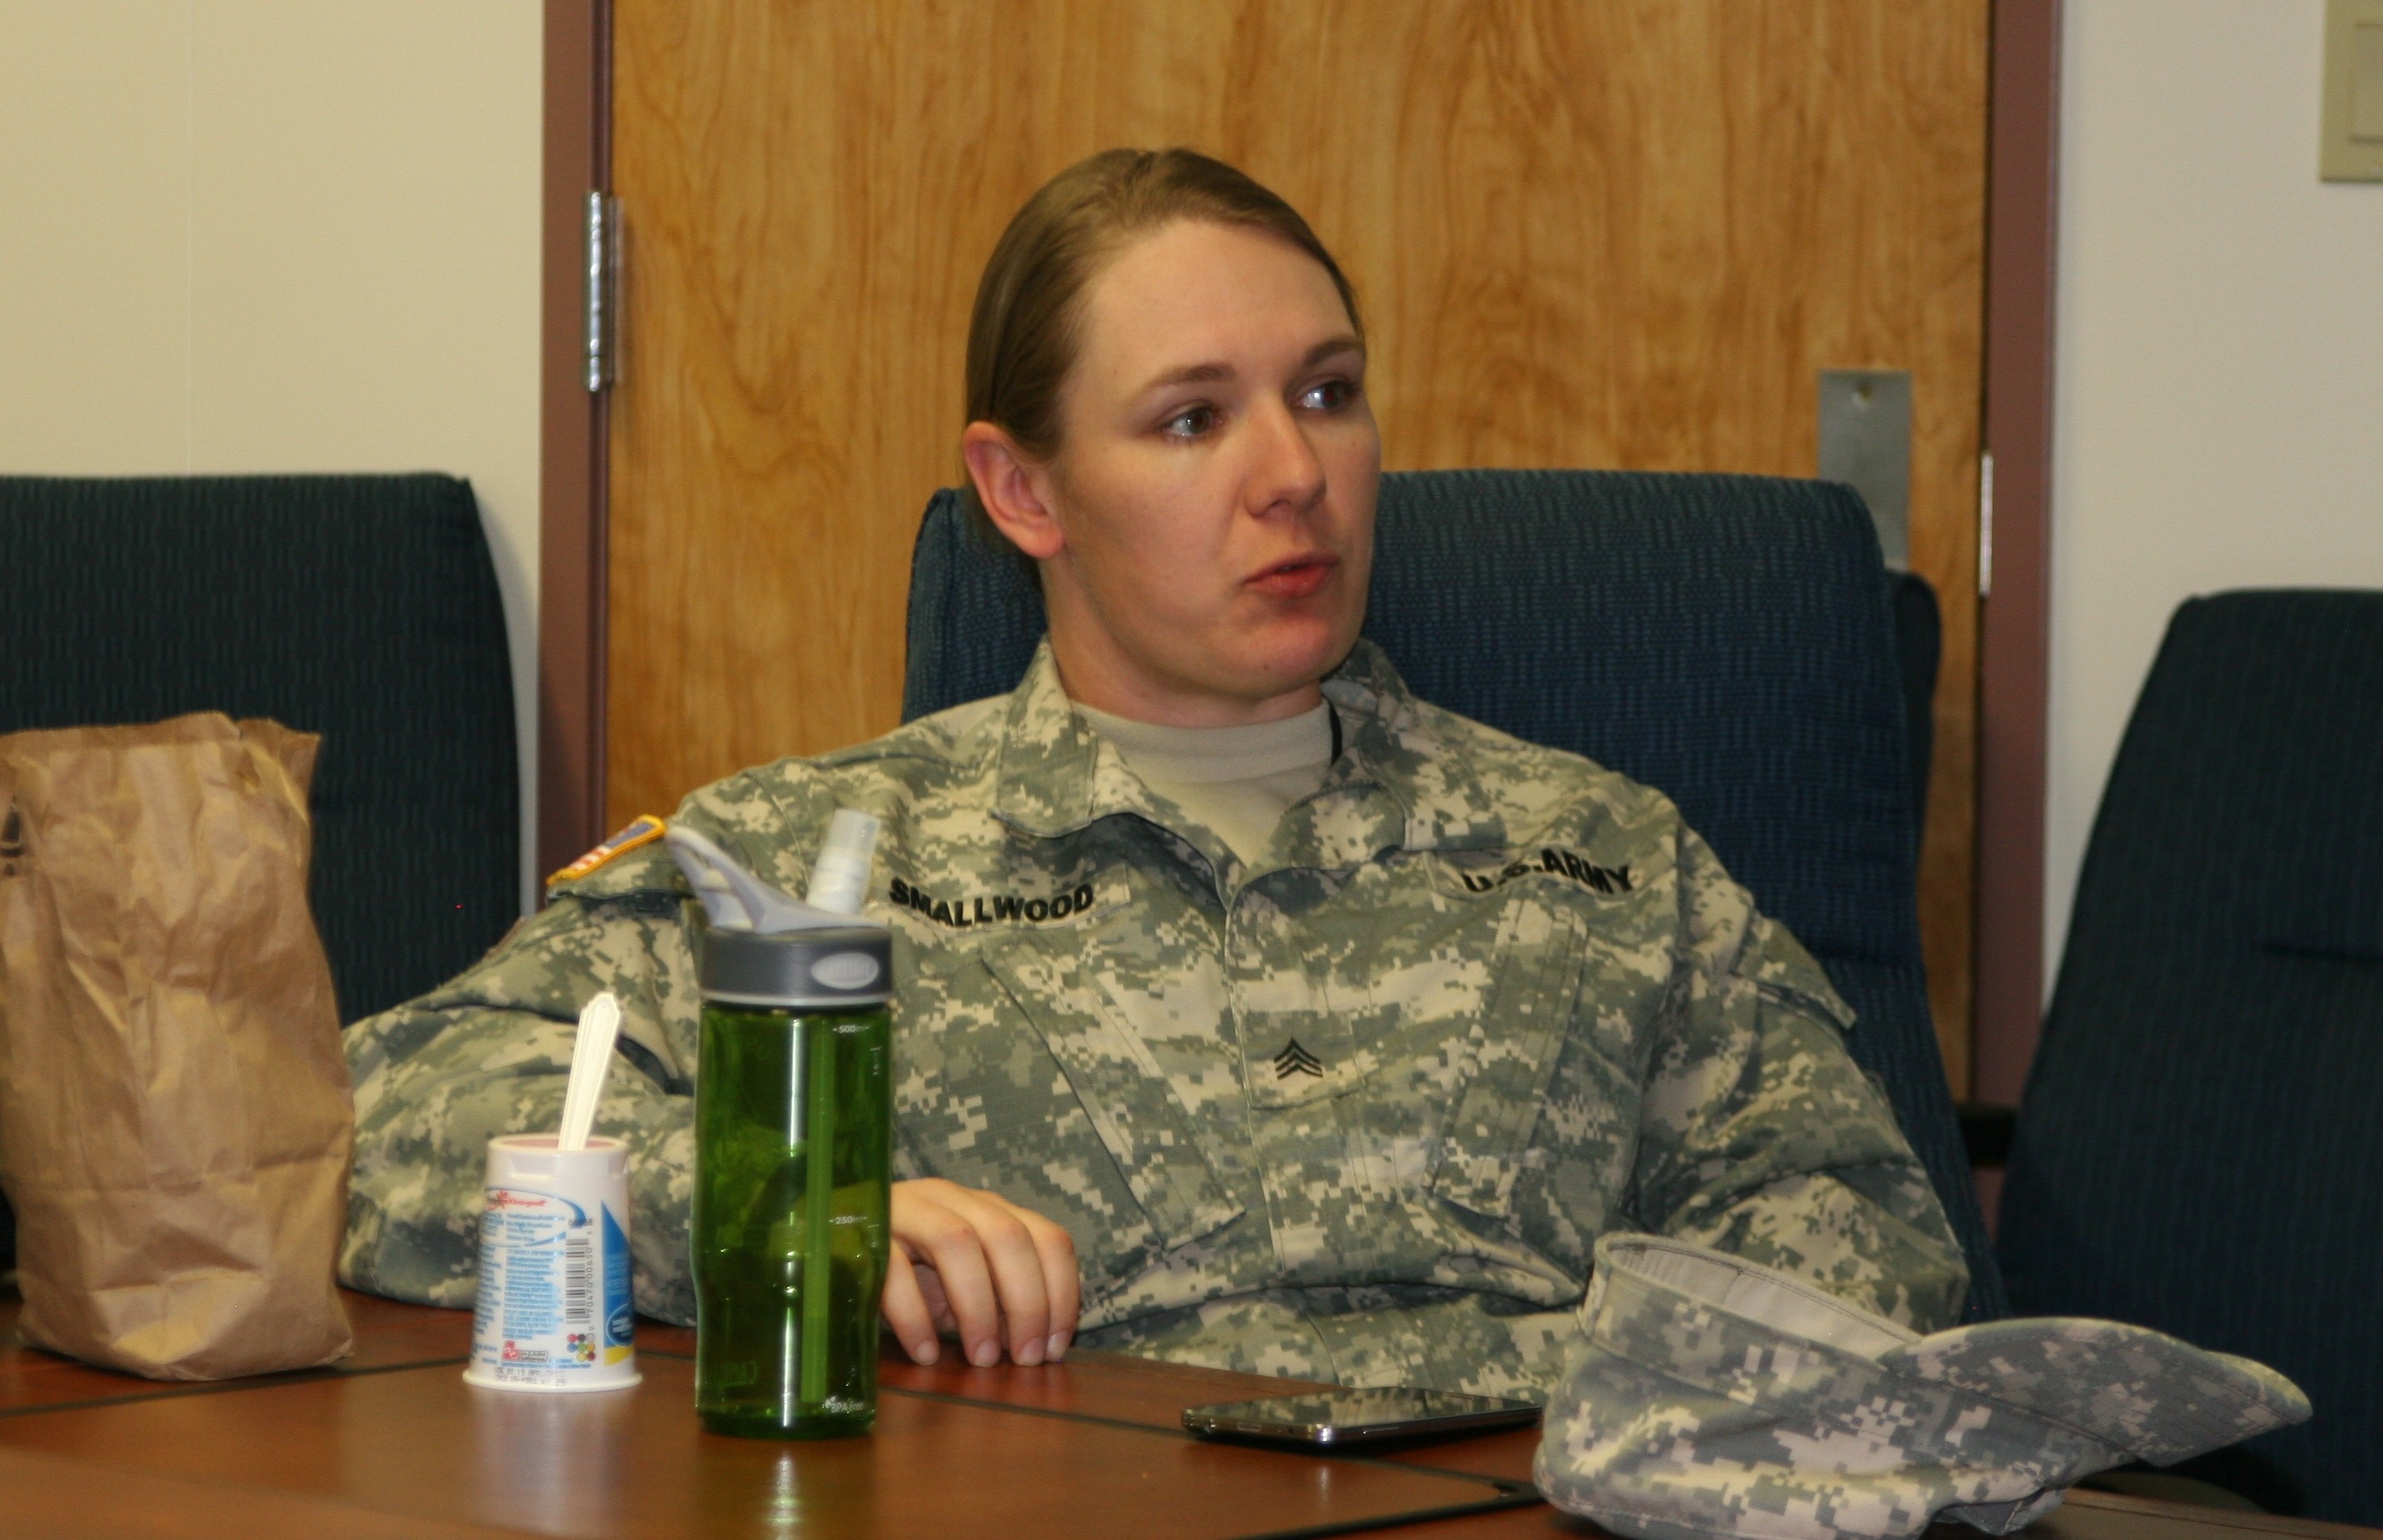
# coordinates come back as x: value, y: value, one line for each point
x: 645, y: 829
x: 1295, y: 1060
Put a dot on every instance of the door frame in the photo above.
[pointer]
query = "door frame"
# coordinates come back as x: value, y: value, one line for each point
x: 2014, y: 642
x: 572, y: 438
x: 2014, y: 604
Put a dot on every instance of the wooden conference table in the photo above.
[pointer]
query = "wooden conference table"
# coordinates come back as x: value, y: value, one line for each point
x: 392, y: 1444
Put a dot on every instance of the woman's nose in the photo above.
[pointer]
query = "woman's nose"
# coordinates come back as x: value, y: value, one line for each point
x: 1285, y: 472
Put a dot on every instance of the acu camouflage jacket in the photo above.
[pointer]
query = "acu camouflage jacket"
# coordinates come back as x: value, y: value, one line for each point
x: 1357, y: 1111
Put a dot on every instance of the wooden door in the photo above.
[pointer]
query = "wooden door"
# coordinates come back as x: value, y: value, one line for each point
x: 1622, y: 233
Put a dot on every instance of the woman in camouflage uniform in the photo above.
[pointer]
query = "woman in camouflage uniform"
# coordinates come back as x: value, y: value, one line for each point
x: 1252, y: 1012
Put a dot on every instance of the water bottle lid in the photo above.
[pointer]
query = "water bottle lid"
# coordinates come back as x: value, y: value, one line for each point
x: 848, y: 967
x: 765, y: 949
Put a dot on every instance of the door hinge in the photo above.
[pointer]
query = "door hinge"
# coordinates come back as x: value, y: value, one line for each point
x: 603, y: 290
x: 1986, y: 524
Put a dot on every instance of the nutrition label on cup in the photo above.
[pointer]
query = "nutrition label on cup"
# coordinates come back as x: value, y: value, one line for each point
x: 542, y: 1307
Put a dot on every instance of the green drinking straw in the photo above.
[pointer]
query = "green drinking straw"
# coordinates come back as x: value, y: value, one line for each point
x: 839, y: 883
x: 818, y: 1197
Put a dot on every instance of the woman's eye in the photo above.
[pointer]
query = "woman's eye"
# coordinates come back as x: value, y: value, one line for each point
x: 1330, y: 396
x: 1190, y: 422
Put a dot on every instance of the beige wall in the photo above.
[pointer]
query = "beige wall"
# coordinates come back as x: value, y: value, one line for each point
x: 2220, y: 355
x: 278, y: 235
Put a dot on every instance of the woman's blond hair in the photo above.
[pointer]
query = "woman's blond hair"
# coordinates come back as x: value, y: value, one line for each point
x: 1026, y: 329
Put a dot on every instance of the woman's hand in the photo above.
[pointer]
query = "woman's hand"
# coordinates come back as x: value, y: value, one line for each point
x: 980, y: 1268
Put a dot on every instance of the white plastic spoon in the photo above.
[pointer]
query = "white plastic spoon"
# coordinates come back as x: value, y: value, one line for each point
x: 591, y: 1056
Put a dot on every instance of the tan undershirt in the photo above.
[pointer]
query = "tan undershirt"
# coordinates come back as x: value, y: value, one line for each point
x: 1237, y: 780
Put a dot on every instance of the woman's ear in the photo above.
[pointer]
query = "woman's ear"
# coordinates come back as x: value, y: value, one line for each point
x: 1013, y: 490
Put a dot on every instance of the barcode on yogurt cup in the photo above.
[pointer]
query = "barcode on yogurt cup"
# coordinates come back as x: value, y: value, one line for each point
x: 554, y: 1311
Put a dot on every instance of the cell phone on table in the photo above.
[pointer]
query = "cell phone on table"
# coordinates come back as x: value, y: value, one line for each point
x: 1358, y: 1416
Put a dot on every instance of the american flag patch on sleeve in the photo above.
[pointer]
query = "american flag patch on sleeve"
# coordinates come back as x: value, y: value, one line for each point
x: 642, y: 830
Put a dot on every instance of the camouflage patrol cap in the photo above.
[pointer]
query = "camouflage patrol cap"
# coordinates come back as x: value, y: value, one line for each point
x: 1717, y: 1397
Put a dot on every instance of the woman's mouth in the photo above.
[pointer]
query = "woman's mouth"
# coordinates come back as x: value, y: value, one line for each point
x: 1302, y: 578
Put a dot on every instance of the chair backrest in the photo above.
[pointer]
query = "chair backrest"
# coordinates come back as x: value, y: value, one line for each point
x: 1920, y: 648
x: 1724, y: 638
x: 2200, y: 1148
x: 363, y: 608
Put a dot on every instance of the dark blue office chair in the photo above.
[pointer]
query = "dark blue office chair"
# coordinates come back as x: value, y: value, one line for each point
x: 1725, y: 638
x: 363, y: 608
x: 1918, y: 648
x: 2200, y: 1147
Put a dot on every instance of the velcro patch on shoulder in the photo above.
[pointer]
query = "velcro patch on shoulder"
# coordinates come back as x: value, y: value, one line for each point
x: 645, y: 829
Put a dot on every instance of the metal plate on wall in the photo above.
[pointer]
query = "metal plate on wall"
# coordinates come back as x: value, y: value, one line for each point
x: 1865, y: 443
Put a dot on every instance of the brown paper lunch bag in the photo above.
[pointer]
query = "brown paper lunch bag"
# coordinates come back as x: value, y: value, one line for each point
x: 174, y: 1117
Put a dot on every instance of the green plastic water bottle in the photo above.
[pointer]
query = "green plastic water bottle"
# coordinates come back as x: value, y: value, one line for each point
x: 794, y: 1118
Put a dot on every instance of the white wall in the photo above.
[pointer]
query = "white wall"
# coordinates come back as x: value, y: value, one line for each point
x: 278, y: 235
x: 2219, y: 395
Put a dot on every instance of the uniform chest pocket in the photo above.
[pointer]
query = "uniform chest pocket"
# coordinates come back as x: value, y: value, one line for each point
x: 1124, y: 1094
x: 1510, y: 1051
x: 1296, y: 1043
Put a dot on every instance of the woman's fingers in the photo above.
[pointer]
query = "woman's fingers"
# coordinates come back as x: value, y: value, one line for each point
x: 931, y: 1289
x: 938, y: 1234
x: 907, y: 1310
x: 992, y: 1273
x: 1057, y: 1250
x: 1017, y: 1269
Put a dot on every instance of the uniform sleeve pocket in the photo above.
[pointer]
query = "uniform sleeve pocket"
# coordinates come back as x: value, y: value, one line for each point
x: 1509, y: 1056
x: 1777, y: 964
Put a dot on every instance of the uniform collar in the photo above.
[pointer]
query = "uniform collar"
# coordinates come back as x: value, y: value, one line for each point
x: 1406, y: 749
x: 1056, y: 774
x: 1396, y: 783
